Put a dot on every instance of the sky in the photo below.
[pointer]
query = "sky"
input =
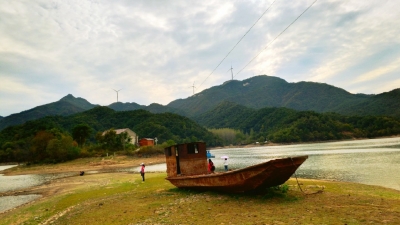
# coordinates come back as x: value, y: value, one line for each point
x: 160, y: 51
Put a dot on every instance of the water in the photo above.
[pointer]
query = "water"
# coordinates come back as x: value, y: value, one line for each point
x: 15, y: 183
x: 9, y: 202
x: 374, y: 162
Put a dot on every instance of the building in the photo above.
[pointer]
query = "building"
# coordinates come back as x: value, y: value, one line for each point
x: 131, y: 134
x: 146, y: 142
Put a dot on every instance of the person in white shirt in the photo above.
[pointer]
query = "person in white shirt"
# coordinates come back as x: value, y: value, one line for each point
x: 226, y: 164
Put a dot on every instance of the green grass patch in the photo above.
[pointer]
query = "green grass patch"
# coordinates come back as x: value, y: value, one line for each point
x: 120, y: 198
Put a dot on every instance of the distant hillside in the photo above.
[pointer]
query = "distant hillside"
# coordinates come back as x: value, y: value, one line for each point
x: 153, y: 108
x: 65, y: 106
x: 225, y: 115
x: 119, y: 106
x: 266, y: 91
x: 387, y: 103
x: 288, y: 125
x: 69, y: 105
x: 256, y: 93
x: 164, y: 126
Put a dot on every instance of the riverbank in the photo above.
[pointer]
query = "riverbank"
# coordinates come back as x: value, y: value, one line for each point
x: 100, y: 164
x: 122, y: 198
x: 296, y: 143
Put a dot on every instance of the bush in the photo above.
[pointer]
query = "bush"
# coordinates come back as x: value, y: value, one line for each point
x: 150, y: 150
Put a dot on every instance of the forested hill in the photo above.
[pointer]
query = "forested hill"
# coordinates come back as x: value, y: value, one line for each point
x: 67, y: 105
x: 153, y: 108
x: 287, y: 125
x: 164, y: 126
x: 256, y: 92
x: 267, y: 91
x: 387, y: 103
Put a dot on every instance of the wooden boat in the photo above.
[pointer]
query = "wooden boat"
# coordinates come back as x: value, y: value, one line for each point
x: 187, y: 168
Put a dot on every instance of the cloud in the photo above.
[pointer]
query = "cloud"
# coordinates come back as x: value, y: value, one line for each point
x: 155, y: 50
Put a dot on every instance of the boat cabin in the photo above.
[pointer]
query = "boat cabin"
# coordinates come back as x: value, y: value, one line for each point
x: 186, y: 159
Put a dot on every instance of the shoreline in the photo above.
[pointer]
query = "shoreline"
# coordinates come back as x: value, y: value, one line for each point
x: 297, y: 143
x: 85, y: 164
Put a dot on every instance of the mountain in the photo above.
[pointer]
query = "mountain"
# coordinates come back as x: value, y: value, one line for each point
x: 267, y: 91
x: 226, y: 114
x: 288, y: 125
x: 384, y: 104
x: 256, y: 93
x: 65, y: 106
x: 119, y: 106
x: 153, y: 108
x: 164, y: 126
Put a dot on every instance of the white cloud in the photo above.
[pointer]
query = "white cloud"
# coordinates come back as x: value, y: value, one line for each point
x: 155, y: 50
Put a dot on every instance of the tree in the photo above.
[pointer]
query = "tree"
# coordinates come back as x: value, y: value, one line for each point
x: 39, y: 145
x: 62, y: 149
x: 124, y: 139
x: 80, y: 133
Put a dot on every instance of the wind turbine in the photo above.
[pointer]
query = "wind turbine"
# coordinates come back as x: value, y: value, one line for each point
x: 193, y: 87
x: 117, y: 93
x: 231, y: 69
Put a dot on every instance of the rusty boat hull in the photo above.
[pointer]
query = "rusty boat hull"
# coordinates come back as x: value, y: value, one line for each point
x: 256, y: 177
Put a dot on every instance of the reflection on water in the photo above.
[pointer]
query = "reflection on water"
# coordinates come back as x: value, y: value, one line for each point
x: 9, y: 202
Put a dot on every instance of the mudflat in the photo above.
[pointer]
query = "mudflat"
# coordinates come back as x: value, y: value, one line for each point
x: 122, y: 198
x: 100, y: 164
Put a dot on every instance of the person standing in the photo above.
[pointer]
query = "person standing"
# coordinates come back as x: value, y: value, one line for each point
x: 226, y: 164
x: 142, y: 171
x: 211, y: 166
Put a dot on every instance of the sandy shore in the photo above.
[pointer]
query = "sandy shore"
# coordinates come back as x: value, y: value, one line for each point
x: 86, y: 164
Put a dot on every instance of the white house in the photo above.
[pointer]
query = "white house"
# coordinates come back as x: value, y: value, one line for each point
x: 131, y: 134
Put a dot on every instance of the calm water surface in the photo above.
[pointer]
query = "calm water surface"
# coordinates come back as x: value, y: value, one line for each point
x: 375, y: 161
x: 14, y: 183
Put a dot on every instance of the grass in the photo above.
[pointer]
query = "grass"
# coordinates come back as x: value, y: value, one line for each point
x: 122, y: 198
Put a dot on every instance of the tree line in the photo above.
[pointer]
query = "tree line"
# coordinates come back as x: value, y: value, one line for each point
x: 238, y: 125
x: 91, y: 133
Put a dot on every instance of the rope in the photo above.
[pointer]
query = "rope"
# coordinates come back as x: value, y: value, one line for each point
x: 298, y: 184
x: 296, y: 176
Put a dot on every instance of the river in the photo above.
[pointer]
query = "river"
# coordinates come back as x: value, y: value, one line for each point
x: 372, y: 161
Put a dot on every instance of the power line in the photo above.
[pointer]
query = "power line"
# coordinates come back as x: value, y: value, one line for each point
x: 276, y: 37
x: 238, y: 42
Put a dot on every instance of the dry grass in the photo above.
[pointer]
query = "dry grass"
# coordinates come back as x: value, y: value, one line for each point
x: 122, y: 198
